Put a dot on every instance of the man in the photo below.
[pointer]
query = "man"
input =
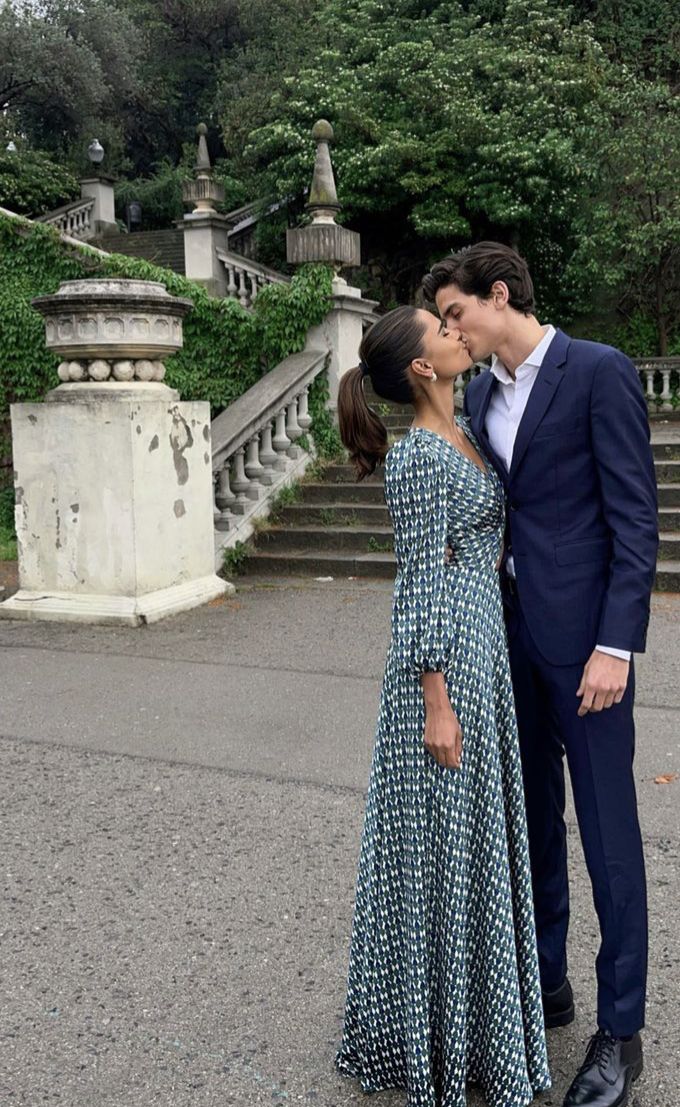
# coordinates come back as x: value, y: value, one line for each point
x: 565, y: 423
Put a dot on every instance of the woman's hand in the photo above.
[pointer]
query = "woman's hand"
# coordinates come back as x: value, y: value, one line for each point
x: 443, y: 735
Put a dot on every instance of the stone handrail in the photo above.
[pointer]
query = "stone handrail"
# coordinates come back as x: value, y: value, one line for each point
x: 73, y: 219
x: 660, y: 380
x: 254, y: 445
x: 246, y: 277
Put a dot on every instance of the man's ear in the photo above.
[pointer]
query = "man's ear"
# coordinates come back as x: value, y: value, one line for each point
x: 500, y: 294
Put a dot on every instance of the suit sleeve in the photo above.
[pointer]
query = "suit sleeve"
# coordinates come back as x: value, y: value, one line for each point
x: 625, y: 467
x: 422, y: 630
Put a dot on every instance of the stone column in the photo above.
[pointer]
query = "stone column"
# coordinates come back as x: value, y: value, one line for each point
x: 324, y: 240
x: 113, y: 474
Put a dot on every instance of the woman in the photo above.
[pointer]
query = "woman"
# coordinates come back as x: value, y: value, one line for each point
x: 443, y: 983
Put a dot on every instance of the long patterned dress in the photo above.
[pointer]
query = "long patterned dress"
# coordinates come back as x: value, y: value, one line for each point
x: 443, y: 983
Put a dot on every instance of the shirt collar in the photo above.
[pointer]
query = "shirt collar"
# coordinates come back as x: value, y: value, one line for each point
x: 532, y: 362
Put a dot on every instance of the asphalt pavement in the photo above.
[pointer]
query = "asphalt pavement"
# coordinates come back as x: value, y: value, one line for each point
x: 181, y: 812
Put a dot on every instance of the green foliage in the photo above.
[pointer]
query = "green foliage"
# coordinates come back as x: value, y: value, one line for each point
x: 32, y: 183
x: 447, y: 128
x: 324, y: 432
x: 65, y: 69
x: 226, y: 349
x: 234, y: 558
x: 161, y: 194
x: 8, y: 549
x: 629, y: 228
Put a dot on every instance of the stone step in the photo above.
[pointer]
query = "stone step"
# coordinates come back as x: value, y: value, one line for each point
x: 320, y: 563
x: 339, y: 513
x: 346, y: 472
x: 356, y: 538
x: 666, y: 451
x: 669, y: 495
x: 669, y: 519
x: 667, y: 472
x: 345, y: 492
x: 669, y: 545
x: 667, y: 577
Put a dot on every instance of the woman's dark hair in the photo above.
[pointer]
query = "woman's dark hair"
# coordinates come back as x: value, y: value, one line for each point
x: 387, y: 349
x: 475, y: 268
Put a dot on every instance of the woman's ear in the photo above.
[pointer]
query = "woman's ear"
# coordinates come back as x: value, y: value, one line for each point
x: 421, y: 367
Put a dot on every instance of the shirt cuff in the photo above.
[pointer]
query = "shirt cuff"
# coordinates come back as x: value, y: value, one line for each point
x: 623, y: 654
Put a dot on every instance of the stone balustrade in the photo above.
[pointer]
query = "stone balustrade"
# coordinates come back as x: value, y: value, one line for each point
x: 256, y: 446
x: 74, y: 219
x: 245, y: 277
x: 661, y: 381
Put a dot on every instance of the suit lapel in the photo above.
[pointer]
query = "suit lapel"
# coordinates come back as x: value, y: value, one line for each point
x: 549, y: 378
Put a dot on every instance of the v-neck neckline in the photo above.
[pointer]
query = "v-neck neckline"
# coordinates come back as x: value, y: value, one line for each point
x: 483, y: 472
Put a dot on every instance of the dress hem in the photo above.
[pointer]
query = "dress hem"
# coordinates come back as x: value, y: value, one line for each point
x: 349, y: 1070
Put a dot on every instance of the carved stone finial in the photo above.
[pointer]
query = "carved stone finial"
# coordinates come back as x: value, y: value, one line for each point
x: 202, y: 166
x: 203, y: 191
x: 323, y: 239
x: 323, y: 198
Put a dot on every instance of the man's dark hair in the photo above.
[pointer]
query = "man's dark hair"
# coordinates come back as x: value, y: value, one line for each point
x: 475, y: 268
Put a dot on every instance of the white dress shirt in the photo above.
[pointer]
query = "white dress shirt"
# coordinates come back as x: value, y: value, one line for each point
x: 504, y: 414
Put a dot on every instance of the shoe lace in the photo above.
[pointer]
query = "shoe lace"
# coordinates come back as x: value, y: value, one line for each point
x: 600, y: 1048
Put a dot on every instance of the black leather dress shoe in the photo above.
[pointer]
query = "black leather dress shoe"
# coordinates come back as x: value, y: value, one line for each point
x: 606, y: 1075
x: 558, y: 1006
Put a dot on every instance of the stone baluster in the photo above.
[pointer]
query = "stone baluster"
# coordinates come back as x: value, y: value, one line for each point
x: 231, y: 283
x: 268, y: 456
x: 649, y: 392
x: 281, y: 442
x: 254, y: 468
x: 293, y: 429
x: 304, y: 418
x: 666, y: 404
x: 252, y: 277
x: 225, y: 500
x: 245, y: 490
x: 242, y: 290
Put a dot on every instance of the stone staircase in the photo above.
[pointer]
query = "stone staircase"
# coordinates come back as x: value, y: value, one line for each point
x: 162, y: 247
x: 341, y: 528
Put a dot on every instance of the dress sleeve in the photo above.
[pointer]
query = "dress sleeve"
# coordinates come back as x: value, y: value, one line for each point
x: 422, y: 630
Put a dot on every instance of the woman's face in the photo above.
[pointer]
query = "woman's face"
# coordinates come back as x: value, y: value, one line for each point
x: 443, y: 347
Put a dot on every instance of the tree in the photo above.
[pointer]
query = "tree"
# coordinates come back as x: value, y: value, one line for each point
x: 447, y: 128
x: 629, y: 230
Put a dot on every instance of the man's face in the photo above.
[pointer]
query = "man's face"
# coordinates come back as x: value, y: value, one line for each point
x: 479, y: 322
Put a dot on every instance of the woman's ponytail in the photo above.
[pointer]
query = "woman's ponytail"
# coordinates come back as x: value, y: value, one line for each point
x: 386, y: 352
x: 362, y: 432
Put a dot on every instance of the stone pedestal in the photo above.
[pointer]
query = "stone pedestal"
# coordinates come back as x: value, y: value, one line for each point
x: 113, y: 474
x: 204, y: 233
x: 100, y: 189
x: 341, y: 331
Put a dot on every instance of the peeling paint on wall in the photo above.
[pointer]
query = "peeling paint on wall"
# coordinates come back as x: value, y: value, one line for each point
x: 153, y: 444
x: 179, y: 508
x: 181, y: 439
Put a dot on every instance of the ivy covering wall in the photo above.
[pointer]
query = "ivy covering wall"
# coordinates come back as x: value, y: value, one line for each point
x: 226, y: 348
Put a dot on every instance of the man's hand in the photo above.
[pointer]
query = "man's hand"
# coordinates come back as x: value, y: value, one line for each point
x: 603, y: 682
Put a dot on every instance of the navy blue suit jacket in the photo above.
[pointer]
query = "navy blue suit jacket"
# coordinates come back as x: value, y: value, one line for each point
x: 581, y: 499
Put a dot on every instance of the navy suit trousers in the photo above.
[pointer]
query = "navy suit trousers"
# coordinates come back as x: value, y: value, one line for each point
x: 599, y: 750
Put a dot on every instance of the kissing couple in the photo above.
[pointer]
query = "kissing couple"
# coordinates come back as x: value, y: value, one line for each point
x: 525, y: 536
